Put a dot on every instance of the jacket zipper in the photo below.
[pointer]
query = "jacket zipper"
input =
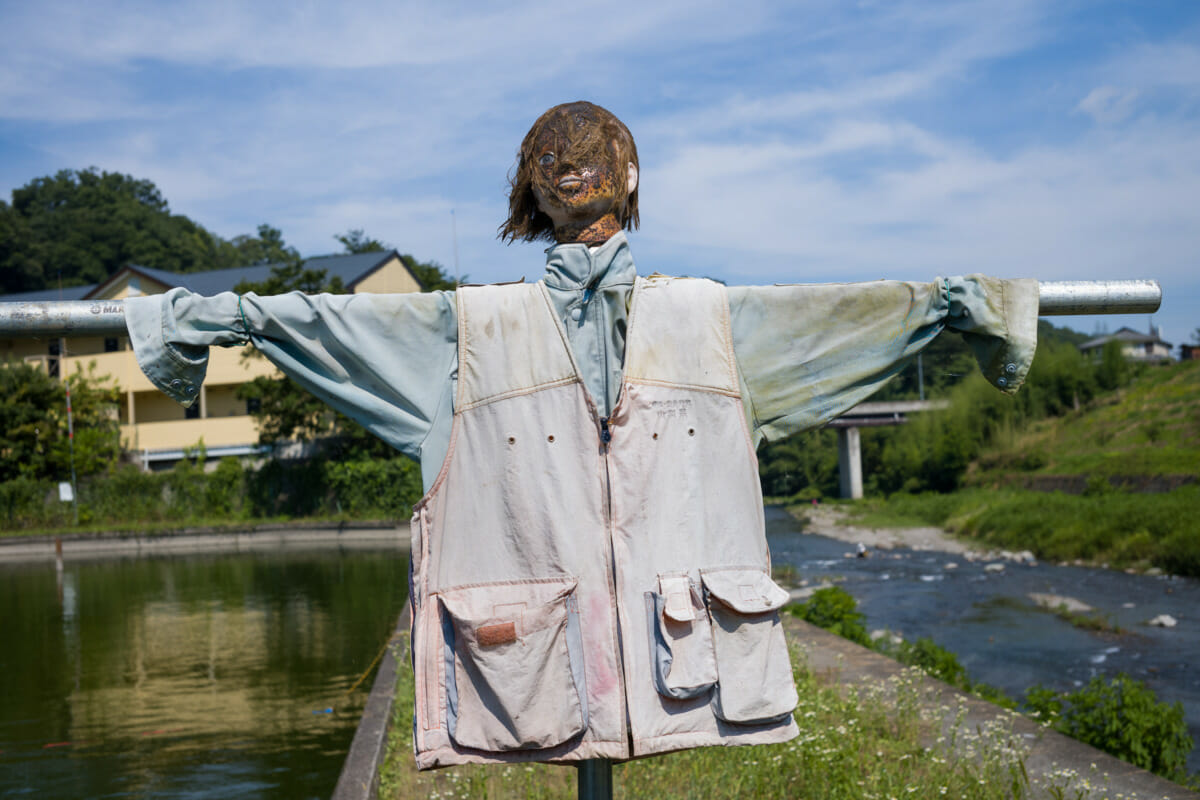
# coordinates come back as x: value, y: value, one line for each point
x: 606, y: 444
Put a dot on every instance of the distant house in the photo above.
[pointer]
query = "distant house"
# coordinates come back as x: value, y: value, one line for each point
x: 1189, y: 352
x: 154, y: 428
x: 1135, y: 346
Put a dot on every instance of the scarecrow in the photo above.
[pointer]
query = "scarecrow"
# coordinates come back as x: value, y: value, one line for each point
x: 590, y: 576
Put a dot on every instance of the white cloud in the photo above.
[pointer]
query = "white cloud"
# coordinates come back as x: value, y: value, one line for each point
x: 1108, y: 104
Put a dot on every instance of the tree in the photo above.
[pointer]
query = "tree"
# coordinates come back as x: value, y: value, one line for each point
x: 1114, y: 371
x: 82, y: 226
x: 429, y: 274
x: 33, y: 423
x: 355, y: 241
x: 266, y: 248
x: 20, y: 260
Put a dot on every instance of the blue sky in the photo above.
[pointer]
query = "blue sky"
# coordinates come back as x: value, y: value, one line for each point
x: 779, y: 142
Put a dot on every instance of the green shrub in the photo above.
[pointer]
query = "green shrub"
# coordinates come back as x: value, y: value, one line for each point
x: 934, y: 660
x: 1123, y: 717
x: 378, y: 487
x: 835, y: 610
x: 225, y: 489
x: 23, y: 502
x: 290, y: 488
x: 125, y: 494
x: 1137, y: 547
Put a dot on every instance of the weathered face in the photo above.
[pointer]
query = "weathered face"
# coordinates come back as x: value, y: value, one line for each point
x: 575, y: 175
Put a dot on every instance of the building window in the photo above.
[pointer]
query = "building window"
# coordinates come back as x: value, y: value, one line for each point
x: 112, y: 345
x: 253, y: 405
x: 192, y: 411
x: 52, y: 362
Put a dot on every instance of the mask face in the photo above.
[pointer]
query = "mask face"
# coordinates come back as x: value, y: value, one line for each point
x: 575, y: 174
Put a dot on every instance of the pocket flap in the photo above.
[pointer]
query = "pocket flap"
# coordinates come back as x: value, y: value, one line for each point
x: 746, y: 590
x: 677, y: 597
x: 501, y: 613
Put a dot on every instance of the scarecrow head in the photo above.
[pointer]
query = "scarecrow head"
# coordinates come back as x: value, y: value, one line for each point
x: 576, y: 178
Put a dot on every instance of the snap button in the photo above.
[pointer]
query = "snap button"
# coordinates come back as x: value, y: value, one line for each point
x: 190, y: 390
x: 1011, y: 369
x: 576, y: 313
x: 1001, y: 381
x: 175, y: 384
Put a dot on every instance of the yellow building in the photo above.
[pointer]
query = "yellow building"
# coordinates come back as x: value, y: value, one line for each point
x: 154, y: 429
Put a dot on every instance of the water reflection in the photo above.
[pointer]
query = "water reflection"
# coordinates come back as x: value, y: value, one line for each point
x: 194, y: 677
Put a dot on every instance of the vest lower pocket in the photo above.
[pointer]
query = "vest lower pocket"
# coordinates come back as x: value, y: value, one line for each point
x: 754, y: 671
x: 514, y: 665
x: 681, y: 647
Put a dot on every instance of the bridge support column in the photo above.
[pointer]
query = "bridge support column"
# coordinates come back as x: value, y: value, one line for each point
x: 849, y: 463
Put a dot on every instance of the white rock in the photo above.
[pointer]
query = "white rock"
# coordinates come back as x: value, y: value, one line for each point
x: 1163, y: 621
x: 884, y: 633
x: 951, y: 565
x: 1055, y: 601
x: 994, y: 568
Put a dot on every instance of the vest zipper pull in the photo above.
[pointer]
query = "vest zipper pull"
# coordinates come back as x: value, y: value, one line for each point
x: 605, y: 433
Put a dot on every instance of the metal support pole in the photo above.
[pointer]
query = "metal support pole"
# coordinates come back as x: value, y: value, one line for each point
x: 1063, y: 298
x: 62, y: 318
x: 595, y: 779
x: 107, y: 317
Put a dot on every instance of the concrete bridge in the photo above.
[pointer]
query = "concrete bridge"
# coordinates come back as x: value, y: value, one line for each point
x: 869, y: 415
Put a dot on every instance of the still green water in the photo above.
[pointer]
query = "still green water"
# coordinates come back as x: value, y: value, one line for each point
x: 191, y: 677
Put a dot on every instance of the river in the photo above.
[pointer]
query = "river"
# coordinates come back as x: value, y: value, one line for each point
x: 200, y: 677
x: 1001, y: 636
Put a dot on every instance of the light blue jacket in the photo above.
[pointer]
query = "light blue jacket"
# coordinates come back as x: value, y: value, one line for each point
x: 805, y: 352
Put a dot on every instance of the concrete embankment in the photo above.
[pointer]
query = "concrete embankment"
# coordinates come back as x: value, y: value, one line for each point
x: 1052, y: 761
x: 270, y: 537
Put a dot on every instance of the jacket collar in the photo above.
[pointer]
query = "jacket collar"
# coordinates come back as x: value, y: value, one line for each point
x: 577, y: 266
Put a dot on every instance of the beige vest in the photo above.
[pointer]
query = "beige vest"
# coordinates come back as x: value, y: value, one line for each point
x: 588, y: 588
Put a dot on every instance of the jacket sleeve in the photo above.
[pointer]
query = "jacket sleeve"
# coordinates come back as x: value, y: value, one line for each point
x: 808, y: 353
x: 383, y: 360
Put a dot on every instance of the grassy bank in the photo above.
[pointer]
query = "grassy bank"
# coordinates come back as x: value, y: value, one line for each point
x: 1102, y: 526
x: 231, y: 495
x: 879, y: 743
x: 1150, y: 427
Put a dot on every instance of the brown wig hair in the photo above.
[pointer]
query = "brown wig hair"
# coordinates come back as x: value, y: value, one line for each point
x: 602, y: 136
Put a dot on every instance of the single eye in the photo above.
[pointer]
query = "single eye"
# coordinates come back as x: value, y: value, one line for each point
x: 546, y: 160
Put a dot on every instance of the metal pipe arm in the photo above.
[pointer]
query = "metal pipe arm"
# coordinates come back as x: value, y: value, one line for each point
x: 1061, y: 298
x: 107, y: 317
x: 49, y: 318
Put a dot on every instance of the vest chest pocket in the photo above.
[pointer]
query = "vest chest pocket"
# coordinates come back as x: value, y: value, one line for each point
x: 754, y: 671
x: 514, y: 665
x: 681, y: 642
